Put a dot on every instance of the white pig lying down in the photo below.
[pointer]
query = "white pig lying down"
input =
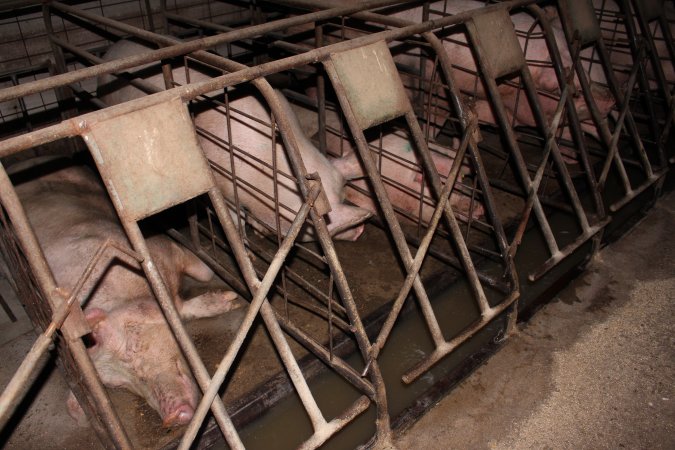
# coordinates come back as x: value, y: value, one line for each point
x: 253, y: 151
x: 132, y: 345
x: 402, y: 173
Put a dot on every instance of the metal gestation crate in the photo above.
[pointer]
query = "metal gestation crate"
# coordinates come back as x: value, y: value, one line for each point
x: 457, y: 133
x: 515, y: 170
x: 641, y: 33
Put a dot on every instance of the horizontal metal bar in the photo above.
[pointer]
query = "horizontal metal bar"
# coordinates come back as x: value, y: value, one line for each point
x: 656, y: 176
x: 449, y: 346
x: 568, y: 250
x: 321, y: 435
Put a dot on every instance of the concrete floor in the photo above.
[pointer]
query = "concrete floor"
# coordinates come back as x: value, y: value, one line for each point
x: 593, y: 369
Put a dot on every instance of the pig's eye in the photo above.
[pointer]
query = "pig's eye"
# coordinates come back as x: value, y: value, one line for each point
x: 89, y: 340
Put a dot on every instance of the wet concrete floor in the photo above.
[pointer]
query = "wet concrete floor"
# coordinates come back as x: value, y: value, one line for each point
x: 594, y: 368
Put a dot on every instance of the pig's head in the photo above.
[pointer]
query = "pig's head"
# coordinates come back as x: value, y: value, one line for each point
x: 602, y: 97
x: 133, y: 348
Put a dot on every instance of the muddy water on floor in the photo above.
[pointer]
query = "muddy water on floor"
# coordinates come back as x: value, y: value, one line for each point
x: 286, y: 425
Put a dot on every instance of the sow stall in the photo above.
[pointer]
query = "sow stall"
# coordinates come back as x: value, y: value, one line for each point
x: 463, y: 152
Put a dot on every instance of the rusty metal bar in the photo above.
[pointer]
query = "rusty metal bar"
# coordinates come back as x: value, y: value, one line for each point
x: 383, y: 200
x: 319, y: 224
x: 199, y: 44
x: 260, y: 296
x: 454, y: 98
x: 601, y: 124
x: 565, y: 76
x: 45, y: 280
x: 167, y: 305
x: 448, y: 347
x: 19, y: 384
x: 253, y: 72
x: 639, y: 14
x: 539, y: 175
x: 298, y: 168
x: 413, y: 270
x: 614, y: 142
x: 502, y: 118
x: 70, y: 127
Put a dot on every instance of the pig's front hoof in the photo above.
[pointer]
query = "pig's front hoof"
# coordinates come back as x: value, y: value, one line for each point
x: 181, y: 416
x: 75, y: 411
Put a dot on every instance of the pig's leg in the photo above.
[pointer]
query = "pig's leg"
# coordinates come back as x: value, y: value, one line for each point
x: 209, y: 304
x: 193, y: 266
x: 75, y: 410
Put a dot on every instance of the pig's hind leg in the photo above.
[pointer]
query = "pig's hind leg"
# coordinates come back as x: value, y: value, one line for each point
x: 209, y: 304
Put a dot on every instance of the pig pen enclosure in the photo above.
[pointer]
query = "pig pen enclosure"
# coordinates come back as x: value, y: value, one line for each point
x: 384, y: 186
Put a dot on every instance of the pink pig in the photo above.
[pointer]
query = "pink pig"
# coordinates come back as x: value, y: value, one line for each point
x: 133, y: 346
x: 251, y: 134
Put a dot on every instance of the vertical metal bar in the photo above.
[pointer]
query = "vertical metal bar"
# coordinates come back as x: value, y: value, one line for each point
x: 321, y: 93
x: 564, y: 176
x: 435, y: 181
x: 502, y: 118
x: 423, y: 247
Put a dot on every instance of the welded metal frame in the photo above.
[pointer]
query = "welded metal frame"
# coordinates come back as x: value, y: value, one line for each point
x: 489, y: 74
x: 577, y: 39
x: 324, y: 430
x: 660, y: 131
x: 589, y: 231
x: 374, y: 388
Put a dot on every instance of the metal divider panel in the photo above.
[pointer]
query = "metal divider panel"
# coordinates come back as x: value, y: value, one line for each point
x: 150, y: 158
x: 499, y: 43
x: 583, y: 19
x: 651, y: 9
x: 372, y: 84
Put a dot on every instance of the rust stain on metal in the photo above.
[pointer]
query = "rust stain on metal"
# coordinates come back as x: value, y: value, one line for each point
x: 499, y: 42
x: 372, y: 84
x: 150, y: 158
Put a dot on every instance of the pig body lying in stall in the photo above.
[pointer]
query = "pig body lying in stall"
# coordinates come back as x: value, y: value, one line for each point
x: 407, y: 174
x: 614, y: 34
x: 133, y: 346
x: 250, y: 132
x: 403, y: 176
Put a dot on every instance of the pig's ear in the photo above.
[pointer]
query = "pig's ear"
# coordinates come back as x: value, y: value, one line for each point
x: 94, y: 316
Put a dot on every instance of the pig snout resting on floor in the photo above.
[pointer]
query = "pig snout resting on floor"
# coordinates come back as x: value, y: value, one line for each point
x: 249, y: 138
x: 131, y: 344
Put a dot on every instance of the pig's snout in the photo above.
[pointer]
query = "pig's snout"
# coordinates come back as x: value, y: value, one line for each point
x: 177, y: 397
x: 351, y: 234
x: 181, y: 415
